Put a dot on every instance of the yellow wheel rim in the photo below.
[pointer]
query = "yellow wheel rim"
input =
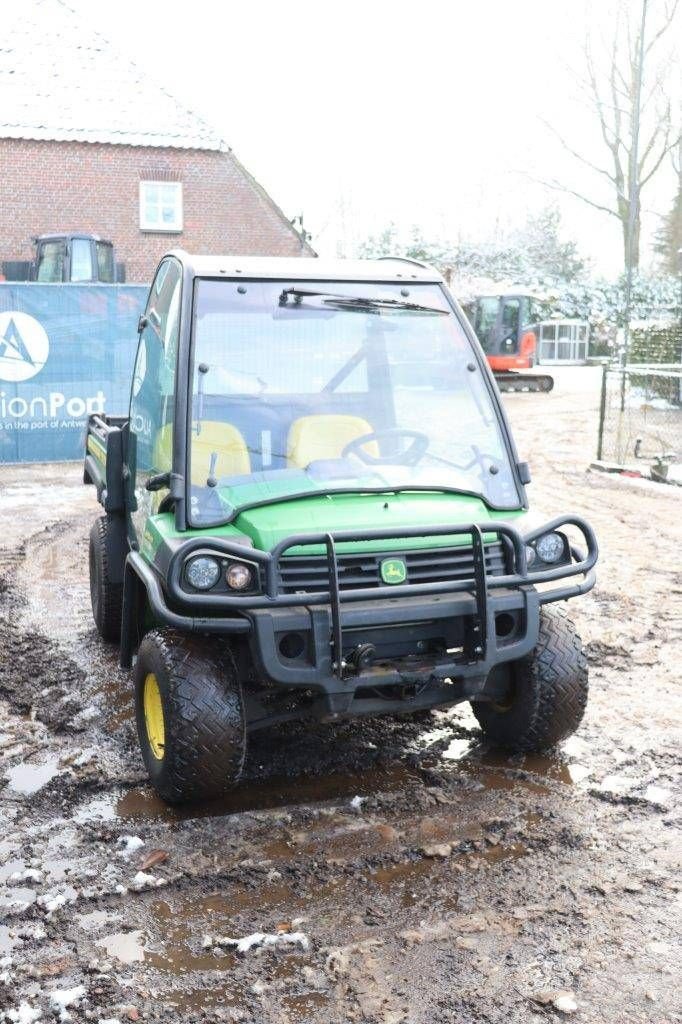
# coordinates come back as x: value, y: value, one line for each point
x: 153, y: 716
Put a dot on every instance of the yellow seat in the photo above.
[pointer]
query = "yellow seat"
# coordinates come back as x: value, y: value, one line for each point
x: 324, y: 437
x: 222, y: 438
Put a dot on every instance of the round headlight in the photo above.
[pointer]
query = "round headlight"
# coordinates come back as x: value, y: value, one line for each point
x: 550, y: 548
x: 203, y: 572
x: 530, y: 554
x: 239, y: 576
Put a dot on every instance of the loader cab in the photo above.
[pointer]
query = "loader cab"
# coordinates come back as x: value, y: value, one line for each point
x: 73, y: 258
x: 505, y: 327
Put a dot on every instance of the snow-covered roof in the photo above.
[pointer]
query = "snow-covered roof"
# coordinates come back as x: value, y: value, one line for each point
x: 60, y: 80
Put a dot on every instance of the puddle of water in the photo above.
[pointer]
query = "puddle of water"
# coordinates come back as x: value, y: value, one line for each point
x: 301, y: 1006
x: 467, y: 749
x: 118, y: 703
x: 142, y: 803
x: 26, y: 779
x: 350, y: 840
x: 126, y: 947
x: 498, y: 781
x: 497, y: 854
x: 176, y: 956
x: 200, y: 999
x: 407, y: 877
x: 550, y: 767
x: 433, y: 879
x: 216, y: 911
x: 177, y: 925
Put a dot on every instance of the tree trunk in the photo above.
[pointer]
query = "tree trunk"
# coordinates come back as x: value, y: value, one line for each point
x: 635, y: 239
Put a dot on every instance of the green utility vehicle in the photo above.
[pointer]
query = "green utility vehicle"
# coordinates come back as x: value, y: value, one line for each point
x: 315, y: 509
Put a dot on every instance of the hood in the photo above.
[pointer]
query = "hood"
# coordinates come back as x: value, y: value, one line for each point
x: 269, y: 524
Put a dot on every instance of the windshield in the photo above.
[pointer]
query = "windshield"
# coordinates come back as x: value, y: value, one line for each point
x: 295, y: 392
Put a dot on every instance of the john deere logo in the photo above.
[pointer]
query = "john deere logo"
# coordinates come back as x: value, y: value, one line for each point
x: 393, y: 570
x: 24, y: 347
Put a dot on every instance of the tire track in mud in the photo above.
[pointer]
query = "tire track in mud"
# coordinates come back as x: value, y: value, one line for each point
x: 35, y: 675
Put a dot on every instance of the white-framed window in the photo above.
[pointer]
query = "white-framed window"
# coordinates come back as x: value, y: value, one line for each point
x: 161, y: 206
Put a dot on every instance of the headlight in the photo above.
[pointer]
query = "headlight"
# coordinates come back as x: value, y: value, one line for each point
x: 530, y: 554
x: 550, y: 547
x: 239, y: 576
x: 202, y: 572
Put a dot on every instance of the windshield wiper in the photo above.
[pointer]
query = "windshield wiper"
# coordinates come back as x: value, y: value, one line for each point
x: 352, y: 301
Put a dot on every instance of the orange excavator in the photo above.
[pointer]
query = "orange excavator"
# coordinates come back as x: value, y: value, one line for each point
x: 507, y: 327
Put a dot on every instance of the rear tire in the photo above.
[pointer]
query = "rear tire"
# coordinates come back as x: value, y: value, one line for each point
x: 190, y: 716
x: 106, y: 557
x: 548, y: 692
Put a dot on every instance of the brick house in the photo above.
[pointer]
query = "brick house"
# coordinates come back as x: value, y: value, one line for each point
x: 89, y: 143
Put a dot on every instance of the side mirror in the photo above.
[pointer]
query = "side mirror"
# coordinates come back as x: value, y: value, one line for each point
x: 142, y: 323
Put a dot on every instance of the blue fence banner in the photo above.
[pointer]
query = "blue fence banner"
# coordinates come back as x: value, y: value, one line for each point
x: 66, y: 350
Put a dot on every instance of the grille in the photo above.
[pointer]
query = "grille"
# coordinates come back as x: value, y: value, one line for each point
x: 310, y: 574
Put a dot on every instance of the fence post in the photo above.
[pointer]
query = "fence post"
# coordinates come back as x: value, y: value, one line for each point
x: 602, y: 412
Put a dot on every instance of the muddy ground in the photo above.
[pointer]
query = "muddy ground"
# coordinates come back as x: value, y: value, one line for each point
x: 461, y: 886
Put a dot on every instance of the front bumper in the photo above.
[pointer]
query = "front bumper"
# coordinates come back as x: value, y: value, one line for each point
x: 456, y: 623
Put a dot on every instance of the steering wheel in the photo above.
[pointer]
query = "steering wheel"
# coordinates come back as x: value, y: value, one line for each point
x: 410, y: 456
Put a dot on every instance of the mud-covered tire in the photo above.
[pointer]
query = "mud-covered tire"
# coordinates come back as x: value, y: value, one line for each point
x: 106, y: 554
x: 204, y: 723
x: 548, y: 693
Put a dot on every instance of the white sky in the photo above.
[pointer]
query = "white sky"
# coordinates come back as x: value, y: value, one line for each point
x: 370, y: 111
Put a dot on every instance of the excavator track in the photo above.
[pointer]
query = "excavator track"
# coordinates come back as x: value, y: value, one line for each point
x: 511, y: 380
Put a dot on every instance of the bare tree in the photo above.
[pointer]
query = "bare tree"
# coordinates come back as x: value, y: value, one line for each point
x: 626, y: 84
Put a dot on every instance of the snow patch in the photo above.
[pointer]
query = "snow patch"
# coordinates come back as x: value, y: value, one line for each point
x: 30, y: 874
x: 257, y: 940
x: 142, y: 880
x: 130, y: 844
x: 61, y: 998
x: 25, y: 1014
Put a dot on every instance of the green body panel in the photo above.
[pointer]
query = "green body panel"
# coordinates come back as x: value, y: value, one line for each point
x: 267, y: 525
x: 97, y: 449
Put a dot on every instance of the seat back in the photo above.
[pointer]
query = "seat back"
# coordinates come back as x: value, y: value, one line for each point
x: 312, y: 438
x: 222, y: 438
x: 228, y: 444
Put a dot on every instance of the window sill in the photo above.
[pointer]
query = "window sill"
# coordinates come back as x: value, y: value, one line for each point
x: 161, y: 231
